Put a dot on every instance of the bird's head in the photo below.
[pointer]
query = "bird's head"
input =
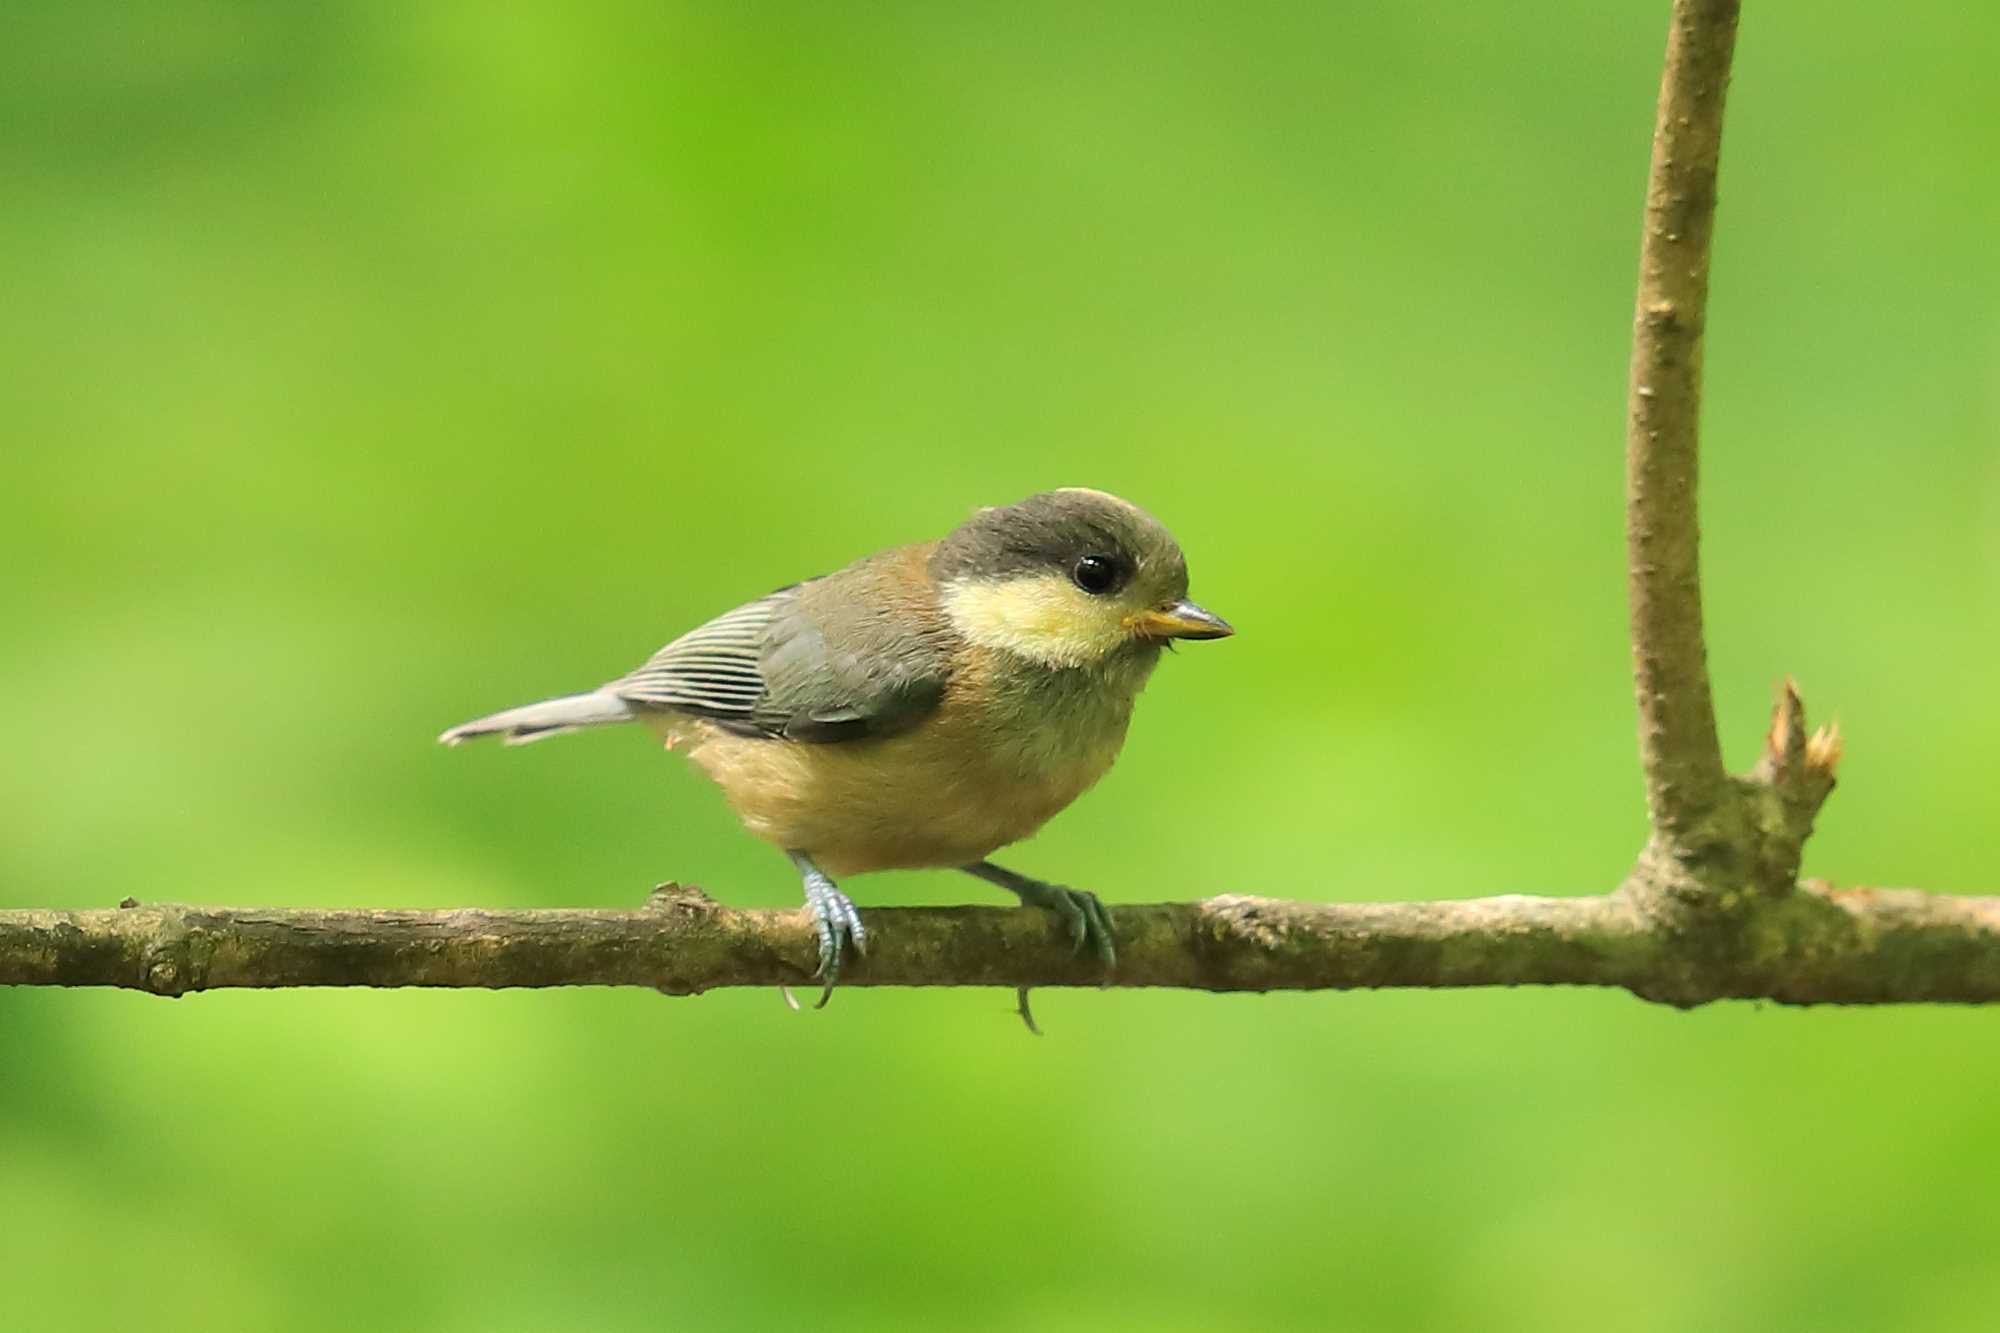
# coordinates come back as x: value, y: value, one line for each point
x: 1069, y: 578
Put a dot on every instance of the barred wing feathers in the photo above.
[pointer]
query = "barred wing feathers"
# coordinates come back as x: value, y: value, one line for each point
x: 711, y: 670
x: 805, y: 663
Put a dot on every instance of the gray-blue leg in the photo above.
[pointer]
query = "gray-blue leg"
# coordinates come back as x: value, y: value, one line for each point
x: 1080, y: 910
x: 834, y: 920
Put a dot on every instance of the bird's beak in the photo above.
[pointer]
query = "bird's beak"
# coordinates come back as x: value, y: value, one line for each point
x: 1182, y: 620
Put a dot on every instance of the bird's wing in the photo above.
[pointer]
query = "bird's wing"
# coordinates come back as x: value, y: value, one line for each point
x: 712, y: 670
x: 819, y: 662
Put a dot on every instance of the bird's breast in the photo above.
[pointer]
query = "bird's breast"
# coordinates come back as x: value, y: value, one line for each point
x: 999, y: 757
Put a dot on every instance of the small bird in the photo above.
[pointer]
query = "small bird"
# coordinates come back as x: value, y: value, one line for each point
x: 922, y: 707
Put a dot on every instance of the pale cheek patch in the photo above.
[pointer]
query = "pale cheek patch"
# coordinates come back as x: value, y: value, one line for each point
x: 1045, y: 618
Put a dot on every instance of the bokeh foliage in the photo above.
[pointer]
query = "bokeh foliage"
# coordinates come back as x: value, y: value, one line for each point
x: 375, y: 365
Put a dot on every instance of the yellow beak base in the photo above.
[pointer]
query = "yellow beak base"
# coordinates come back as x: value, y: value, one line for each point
x: 1183, y: 620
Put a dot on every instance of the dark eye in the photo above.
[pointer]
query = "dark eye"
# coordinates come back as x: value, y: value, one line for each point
x: 1095, y: 573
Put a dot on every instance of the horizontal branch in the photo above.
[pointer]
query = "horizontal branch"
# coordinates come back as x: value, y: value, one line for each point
x: 1817, y: 945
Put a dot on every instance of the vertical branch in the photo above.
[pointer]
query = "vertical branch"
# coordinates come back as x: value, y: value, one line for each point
x: 1677, y: 737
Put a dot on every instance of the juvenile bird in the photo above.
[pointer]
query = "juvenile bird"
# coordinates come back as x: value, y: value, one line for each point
x: 921, y: 707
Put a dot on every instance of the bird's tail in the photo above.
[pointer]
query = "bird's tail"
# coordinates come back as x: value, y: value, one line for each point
x: 550, y: 717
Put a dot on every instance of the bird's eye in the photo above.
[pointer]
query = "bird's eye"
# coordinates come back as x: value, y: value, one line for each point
x: 1095, y: 573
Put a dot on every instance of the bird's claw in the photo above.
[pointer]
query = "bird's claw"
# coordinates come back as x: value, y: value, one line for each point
x: 1093, y: 927
x: 1081, y: 911
x: 1021, y: 1008
x: 836, y: 923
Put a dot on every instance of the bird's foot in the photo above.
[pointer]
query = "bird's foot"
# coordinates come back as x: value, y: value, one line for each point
x: 1082, y: 913
x: 1079, y: 909
x: 835, y: 922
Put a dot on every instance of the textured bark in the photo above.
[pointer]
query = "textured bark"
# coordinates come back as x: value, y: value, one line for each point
x: 1724, y: 850
x: 1842, y: 947
x: 1677, y: 738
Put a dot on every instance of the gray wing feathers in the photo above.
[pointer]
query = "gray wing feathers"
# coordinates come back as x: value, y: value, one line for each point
x: 711, y: 670
x: 884, y: 677
x: 767, y: 668
x: 805, y: 663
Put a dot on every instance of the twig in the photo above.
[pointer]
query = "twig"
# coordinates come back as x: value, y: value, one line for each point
x: 1685, y: 780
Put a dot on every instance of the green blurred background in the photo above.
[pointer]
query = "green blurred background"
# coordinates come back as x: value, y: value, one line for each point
x: 371, y: 366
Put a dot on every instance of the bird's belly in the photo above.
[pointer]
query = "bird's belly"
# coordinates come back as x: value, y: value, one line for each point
x: 900, y: 802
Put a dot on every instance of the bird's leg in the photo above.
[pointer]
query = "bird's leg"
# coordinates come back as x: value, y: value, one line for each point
x: 1079, y: 909
x: 834, y: 920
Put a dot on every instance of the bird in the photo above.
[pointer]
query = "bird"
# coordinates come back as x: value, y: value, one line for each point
x: 922, y: 707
